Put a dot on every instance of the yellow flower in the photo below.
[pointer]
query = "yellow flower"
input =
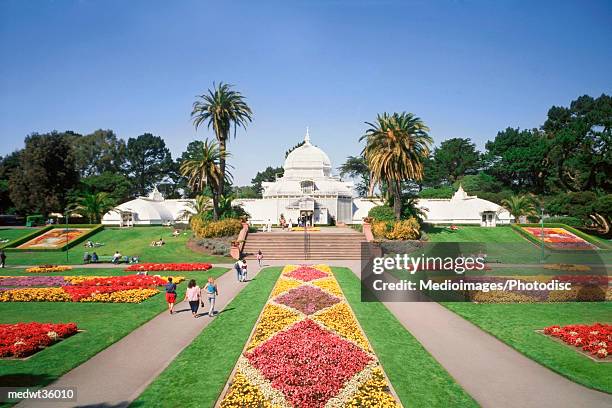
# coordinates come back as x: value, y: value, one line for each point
x: 340, y: 319
x: 284, y: 285
x: 373, y: 393
x: 242, y: 394
x: 48, y: 269
x: 273, y: 319
x: 330, y: 285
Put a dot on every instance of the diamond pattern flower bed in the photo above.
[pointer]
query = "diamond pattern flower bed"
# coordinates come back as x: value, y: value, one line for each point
x: 295, y: 360
x: 306, y: 274
x: 308, y: 351
x: 307, y: 299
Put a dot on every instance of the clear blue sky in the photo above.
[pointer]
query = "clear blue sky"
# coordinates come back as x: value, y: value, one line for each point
x: 467, y: 68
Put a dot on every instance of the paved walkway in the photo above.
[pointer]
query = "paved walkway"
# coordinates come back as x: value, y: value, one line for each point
x: 493, y: 373
x: 120, y: 373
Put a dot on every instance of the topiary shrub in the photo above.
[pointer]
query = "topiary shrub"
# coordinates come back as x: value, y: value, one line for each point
x: 382, y: 213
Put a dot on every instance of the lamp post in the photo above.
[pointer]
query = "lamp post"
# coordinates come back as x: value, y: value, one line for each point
x: 542, y: 232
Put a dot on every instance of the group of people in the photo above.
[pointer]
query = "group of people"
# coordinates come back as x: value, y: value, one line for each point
x: 195, y: 295
x: 90, y: 258
x: 241, y: 270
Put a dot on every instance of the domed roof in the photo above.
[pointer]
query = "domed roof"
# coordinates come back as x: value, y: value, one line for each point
x: 307, y: 160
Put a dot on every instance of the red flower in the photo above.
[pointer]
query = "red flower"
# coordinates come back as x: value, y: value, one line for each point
x: 24, y: 339
x: 169, y: 267
x: 595, y: 338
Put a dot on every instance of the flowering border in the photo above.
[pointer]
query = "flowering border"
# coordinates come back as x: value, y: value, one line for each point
x: 21, y: 340
x: 366, y: 385
x: 594, y: 341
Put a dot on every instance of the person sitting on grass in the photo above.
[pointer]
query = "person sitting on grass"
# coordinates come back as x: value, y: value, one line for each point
x: 170, y: 294
x: 176, y: 233
x: 116, y: 257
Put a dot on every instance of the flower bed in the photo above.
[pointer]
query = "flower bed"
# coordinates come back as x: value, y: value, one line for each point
x: 308, y: 350
x: 595, y: 339
x: 113, y: 289
x: 24, y: 339
x: 169, y: 267
x: 559, y: 238
x: 48, y: 268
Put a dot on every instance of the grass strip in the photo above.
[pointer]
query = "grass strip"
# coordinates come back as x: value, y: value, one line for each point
x: 418, y: 379
x: 199, y: 373
x: 516, y: 325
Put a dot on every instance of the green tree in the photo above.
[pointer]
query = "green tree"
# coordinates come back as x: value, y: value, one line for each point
x: 293, y: 148
x: 203, y: 169
x: 580, y: 144
x: 520, y: 206
x: 356, y: 167
x: 518, y: 158
x: 396, y: 146
x: 455, y: 158
x: 116, y: 185
x: 591, y: 209
x: 8, y: 164
x: 148, y: 161
x: 93, y: 206
x: 98, y: 152
x: 45, y: 176
x: 268, y: 174
x: 223, y: 109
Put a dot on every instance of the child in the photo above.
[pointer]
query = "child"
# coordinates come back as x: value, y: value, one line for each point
x: 192, y: 295
x: 259, y: 257
x: 211, y: 292
x: 170, y: 294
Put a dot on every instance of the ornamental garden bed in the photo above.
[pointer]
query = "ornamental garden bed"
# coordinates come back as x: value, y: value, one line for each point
x: 308, y: 350
x: 22, y: 340
x: 192, y: 266
x: 113, y: 289
x: 593, y: 341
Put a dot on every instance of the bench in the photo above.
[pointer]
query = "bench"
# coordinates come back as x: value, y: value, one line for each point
x: 109, y: 259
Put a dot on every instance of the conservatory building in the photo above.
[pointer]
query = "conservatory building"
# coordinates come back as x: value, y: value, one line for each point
x: 307, y: 189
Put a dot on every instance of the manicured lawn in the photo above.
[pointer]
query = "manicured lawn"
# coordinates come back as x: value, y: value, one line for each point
x: 418, y: 379
x: 473, y: 234
x: 13, y: 233
x: 515, y: 324
x: 197, y: 376
x: 104, y: 324
x: 128, y: 241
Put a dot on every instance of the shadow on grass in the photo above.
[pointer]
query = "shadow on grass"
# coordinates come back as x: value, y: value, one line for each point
x: 24, y: 380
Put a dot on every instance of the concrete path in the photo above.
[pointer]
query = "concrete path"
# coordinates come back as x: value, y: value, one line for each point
x: 493, y: 373
x: 120, y: 373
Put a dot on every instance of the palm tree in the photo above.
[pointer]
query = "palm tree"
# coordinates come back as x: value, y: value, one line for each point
x: 223, y: 109
x: 519, y: 206
x: 203, y: 168
x: 396, y: 146
x: 93, y: 206
x: 201, y: 204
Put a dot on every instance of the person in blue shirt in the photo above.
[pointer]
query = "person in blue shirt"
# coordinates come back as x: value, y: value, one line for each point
x: 170, y: 295
x: 211, y: 291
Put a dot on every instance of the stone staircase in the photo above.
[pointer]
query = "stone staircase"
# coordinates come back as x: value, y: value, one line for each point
x: 343, y: 243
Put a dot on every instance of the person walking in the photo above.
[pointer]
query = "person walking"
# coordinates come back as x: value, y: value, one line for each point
x: 211, y: 292
x: 2, y: 258
x: 259, y: 257
x: 170, y: 294
x: 192, y: 295
x: 238, y: 268
x: 244, y: 270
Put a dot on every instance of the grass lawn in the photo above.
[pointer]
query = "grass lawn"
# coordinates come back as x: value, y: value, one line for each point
x: 13, y: 233
x: 418, y: 379
x: 104, y: 324
x: 197, y: 376
x: 504, y: 244
x: 129, y: 241
x: 515, y: 324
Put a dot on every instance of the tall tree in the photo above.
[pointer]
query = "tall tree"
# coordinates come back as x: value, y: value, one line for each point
x: 46, y: 174
x: 98, y: 152
x: 224, y: 110
x: 455, y: 158
x: 8, y: 164
x: 269, y: 174
x: 356, y: 167
x: 148, y: 161
x: 518, y: 159
x: 580, y: 140
x: 396, y: 145
x: 203, y: 169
